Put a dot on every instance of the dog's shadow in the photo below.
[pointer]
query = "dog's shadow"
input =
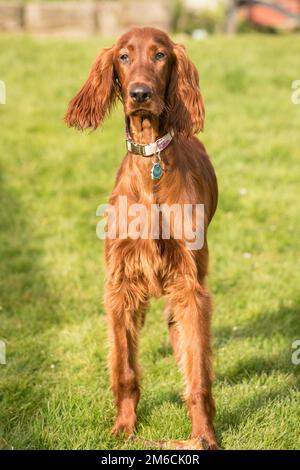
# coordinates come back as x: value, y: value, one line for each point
x: 285, y: 324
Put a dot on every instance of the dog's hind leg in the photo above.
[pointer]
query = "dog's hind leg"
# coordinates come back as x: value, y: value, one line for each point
x: 191, y: 311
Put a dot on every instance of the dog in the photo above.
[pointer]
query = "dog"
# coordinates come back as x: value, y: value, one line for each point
x: 165, y: 164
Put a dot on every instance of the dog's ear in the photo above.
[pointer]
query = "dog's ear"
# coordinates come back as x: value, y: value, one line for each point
x: 184, y: 100
x: 96, y: 97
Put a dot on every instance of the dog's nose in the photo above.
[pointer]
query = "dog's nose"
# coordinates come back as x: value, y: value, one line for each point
x: 140, y: 93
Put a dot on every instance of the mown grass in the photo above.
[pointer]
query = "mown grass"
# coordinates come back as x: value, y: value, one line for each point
x: 54, y: 389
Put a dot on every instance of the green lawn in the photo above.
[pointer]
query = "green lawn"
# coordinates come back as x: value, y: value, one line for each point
x: 54, y: 391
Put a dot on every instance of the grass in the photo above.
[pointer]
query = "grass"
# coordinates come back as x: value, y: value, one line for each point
x: 54, y: 389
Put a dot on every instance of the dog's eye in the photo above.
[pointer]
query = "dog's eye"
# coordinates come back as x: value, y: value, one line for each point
x: 160, y: 55
x: 124, y: 57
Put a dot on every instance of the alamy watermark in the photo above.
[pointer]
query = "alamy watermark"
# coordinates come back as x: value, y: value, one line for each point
x: 295, y: 96
x: 296, y: 353
x: 2, y: 353
x: 2, y: 92
x: 159, y: 221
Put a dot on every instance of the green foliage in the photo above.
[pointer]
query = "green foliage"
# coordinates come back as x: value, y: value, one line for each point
x: 176, y: 13
x: 248, y: 27
x: 54, y: 389
x: 187, y: 21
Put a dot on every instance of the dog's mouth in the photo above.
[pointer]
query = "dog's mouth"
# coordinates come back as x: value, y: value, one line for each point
x: 143, y: 113
x: 140, y: 115
x: 148, y: 110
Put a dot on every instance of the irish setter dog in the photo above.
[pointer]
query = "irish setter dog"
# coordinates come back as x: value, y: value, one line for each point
x: 159, y: 88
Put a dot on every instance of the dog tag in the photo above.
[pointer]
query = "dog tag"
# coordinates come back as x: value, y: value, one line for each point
x: 157, y: 170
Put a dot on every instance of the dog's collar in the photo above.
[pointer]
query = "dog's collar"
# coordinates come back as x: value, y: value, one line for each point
x: 147, y: 150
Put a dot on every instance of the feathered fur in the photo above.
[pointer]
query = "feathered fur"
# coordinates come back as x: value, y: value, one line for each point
x: 140, y: 268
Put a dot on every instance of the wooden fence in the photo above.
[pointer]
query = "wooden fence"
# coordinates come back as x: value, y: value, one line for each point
x: 106, y: 18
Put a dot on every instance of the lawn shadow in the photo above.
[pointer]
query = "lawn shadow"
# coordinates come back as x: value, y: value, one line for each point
x: 28, y: 311
x: 228, y: 420
x: 153, y: 402
x: 283, y: 323
x: 167, y: 396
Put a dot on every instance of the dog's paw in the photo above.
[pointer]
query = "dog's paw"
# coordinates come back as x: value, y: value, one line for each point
x: 205, y: 443
x: 208, y: 444
x: 123, y: 426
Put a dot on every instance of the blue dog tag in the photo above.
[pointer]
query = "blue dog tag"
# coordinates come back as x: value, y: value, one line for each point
x: 156, y: 171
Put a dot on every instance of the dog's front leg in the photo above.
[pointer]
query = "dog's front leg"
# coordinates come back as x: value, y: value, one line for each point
x: 125, y: 315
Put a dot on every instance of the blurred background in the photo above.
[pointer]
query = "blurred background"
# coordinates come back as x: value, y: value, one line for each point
x: 112, y: 17
x: 54, y: 391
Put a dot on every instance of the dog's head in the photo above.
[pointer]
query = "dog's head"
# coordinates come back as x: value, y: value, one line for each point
x: 150, y: 74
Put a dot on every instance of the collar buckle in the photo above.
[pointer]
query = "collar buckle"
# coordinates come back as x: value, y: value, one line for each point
x: 138, y: 149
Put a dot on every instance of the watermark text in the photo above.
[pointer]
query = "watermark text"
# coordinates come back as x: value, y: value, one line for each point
x: 296, y: 353
x: 157, y: 221
x: 295, y: 96
x: 2, y: 92
x: 2, y: 353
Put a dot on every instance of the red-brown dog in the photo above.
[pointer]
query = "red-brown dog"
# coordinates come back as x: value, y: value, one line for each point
x: 158, y: 86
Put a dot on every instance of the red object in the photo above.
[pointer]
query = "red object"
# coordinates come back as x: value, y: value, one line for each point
x: 266, y: 16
